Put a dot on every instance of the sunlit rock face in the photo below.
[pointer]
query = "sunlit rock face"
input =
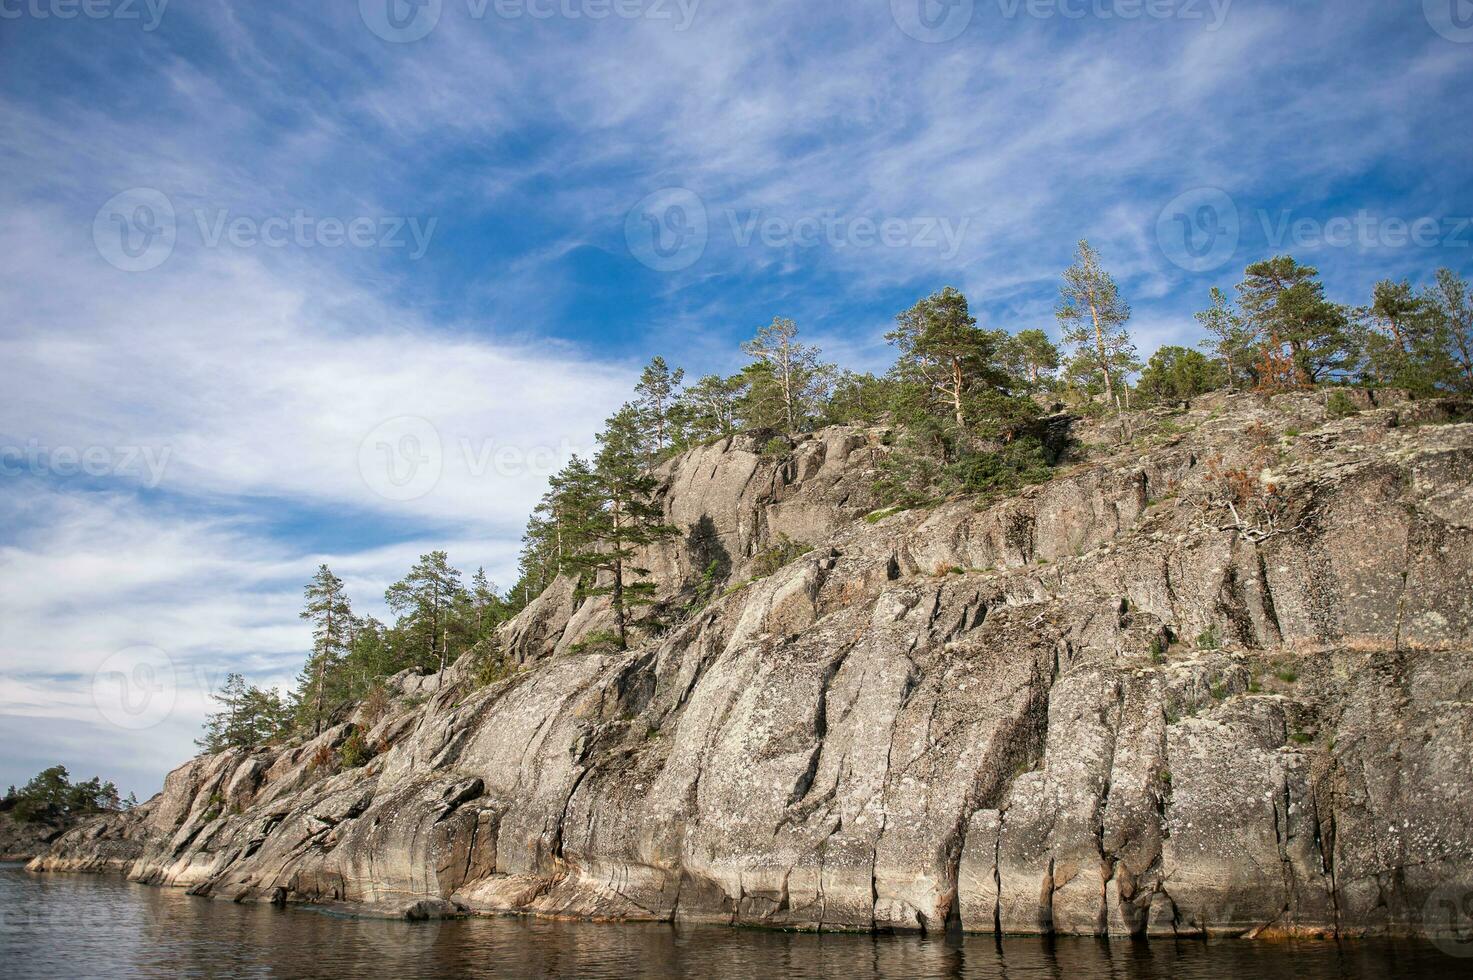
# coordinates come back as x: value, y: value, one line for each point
x: 1128, y: 701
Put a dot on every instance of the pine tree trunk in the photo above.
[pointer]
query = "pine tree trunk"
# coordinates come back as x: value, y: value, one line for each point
x: 788, y: 398
x: 956, y: 391
x: 619, y: 604
x: 317, y: 710
x: 1094, y: 315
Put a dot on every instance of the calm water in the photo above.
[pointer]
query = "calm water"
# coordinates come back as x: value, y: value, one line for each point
x: 81, y: 926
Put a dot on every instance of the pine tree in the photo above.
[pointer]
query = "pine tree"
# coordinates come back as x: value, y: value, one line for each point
x: 858, y: 398
x: 1093, y: 317
x: 1032, y: 358
x: 487, y: 609
x: 655, y: 397
x: 425, y: 599
x: 552, y: 531
x: 625, y: 520
x: 51, y: 795
x: 943, y: 351
x: 1403, y: 340
x: 1449, y: 301
x: 1301, y: 335
x: 1176, y: 374
x: 1233, y: 341
x: 760, y: 401
x: 708, y: 408
x: 368, y: 657
x: 248, y: 716
x: 267, y: 715
x: 331, y: 617
x: 222, y: 726
x: 801, y: 379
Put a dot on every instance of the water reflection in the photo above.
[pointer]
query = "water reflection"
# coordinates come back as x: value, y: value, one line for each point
x: 74, y: 926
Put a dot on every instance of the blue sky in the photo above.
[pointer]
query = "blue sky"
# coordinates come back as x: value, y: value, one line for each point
x: 343, y: 282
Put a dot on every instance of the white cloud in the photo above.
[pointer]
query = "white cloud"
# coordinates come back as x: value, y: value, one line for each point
x: 256, y: 385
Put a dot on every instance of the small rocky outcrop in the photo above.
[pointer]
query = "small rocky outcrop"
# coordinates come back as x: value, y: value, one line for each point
x: 22, y: 840
x: 1214, y: 681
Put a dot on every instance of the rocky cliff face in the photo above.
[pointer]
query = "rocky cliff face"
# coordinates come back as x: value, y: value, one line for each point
x: 1214, y: 681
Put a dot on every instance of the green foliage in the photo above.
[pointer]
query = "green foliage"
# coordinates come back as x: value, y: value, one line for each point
x: 1301, y: 738
x: 1231, y: 339
x: 621, y: 518
x: 876, y: 516
x: 351, y: 656
x: 962, y: 431
x: 1287, y: 675
x: 1175, y: 374
x: 858, y: 398
x: 1302, y: 338
x: 1013, y: 466
x: 777, y: 446
x: 958, y: 417
x: 1031, y: 359
x: 1210, y: 638
x: 655, y: 399
x: 247, y: 717
x: 490, y: 664
x: 427, y: 601
x: 707, y: 554
x: 784, y: 551
x: 355, y: 751
x: 1093, y: 316
x: 214, y: 808
x: 327, y: 609
x: 555, y: 530
x: 1288, y: 335
x: 707, y: 409
x: 1449, y: 301
x: 945, y: 359
x: 1339, y: 405
x: 600, y: 640
x: 51, y: 796
x: 787, y: 381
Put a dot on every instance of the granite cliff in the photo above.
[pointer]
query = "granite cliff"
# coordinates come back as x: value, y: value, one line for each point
x: 1213, y: 678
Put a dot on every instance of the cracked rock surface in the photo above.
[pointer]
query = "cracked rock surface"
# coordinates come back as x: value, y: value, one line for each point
x: 1108, y: 704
